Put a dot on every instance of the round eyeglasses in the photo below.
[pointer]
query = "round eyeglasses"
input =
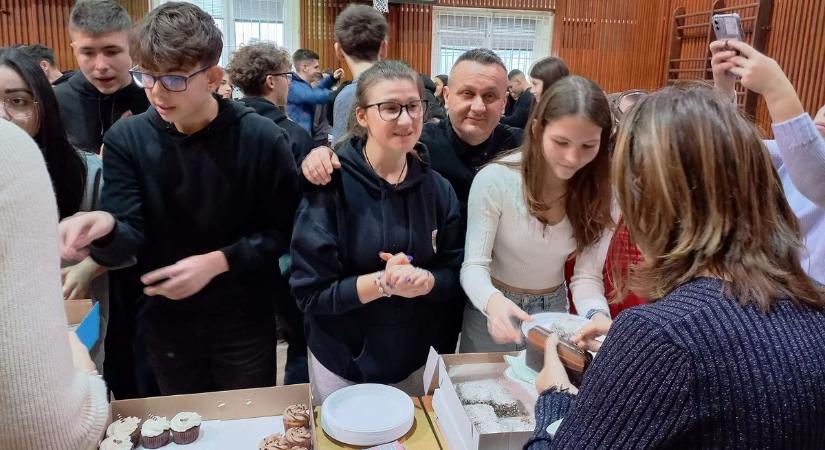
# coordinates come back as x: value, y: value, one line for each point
x: 172, y: 83
x: 18, y: 107
x: 287, y: 75
x: 391, y: 111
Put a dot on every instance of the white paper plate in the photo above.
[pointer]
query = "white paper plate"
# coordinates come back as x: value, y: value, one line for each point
x: 548, y: 319
x: 367, y: 414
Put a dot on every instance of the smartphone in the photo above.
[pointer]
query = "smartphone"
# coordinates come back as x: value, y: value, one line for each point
x: 727, y: 26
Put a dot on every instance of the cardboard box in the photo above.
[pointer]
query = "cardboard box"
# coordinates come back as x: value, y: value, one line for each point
x: 262, y: 403
x: 451, y: 417
x: 84, y: 318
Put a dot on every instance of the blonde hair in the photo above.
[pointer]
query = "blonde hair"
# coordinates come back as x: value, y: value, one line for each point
x: 700, y: 196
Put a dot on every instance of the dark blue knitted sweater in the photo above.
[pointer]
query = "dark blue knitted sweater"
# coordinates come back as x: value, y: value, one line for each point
x: 698, y: 370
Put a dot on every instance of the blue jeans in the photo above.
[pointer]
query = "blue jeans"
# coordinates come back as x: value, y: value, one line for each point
x: 474, y: 335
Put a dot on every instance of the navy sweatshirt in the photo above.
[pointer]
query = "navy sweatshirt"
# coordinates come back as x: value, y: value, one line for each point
x: 340, y: 229
x: 698, y: 370
x: 300, y: 142
x: 231, y: 186
x: 87, y: 114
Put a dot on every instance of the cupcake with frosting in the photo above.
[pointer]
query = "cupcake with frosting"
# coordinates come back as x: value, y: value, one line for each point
x: 185, y: 427
x: 125, y: 426
x: 298, y: 437
x: 268, y: 443
x: 154, y: 433
x: 118, y: 442
x: 296, y: 416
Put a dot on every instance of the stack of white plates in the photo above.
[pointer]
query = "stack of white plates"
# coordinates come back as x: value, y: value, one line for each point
x: 367, y: 414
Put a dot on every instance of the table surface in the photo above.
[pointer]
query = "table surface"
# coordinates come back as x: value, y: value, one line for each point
x: 427, y: 402
x: 421, y: 437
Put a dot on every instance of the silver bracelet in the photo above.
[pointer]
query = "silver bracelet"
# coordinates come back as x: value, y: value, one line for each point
x: 380, y: 288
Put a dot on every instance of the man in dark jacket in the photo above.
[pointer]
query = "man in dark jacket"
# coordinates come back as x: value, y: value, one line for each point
x: 90, y: 102
x: 261, y: 71
x: 102, y: 92
x: 520, y: 91
x: 459, y: 146
x: 45, y: 58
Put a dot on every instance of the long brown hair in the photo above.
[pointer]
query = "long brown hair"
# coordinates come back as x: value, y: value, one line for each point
x: 588, y: 197
x: 549, y: 70
x: 700, y: 196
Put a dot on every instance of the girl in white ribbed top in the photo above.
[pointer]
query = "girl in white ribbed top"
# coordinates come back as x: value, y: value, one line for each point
x: 532, y: 210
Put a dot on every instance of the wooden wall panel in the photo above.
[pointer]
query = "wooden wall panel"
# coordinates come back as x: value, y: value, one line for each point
x: 46, y: 22
x: 616, y: 43
x: 410, y: 37
x: 411, y: 30
x: 795, y: 39
x: 42, y: 21
x: 797, y: 42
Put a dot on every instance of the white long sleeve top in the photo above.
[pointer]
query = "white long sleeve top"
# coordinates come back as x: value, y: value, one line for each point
x: 505, y: 242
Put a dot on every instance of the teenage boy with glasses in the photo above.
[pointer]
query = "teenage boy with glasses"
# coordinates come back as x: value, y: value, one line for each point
x: 205, y: 190
x: 262, y: 72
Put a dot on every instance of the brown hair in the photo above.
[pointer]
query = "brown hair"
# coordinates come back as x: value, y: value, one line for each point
x: 549, y: 70
x: 99, y: 17
x: 251, y: 64
x: 360, y: 30
x: 700, y: 196
x: 303, y: 55
x: 588, y: 192
x: 380, y: 71
x: 176, y: 35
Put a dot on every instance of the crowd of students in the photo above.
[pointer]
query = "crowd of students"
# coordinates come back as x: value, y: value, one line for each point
x: 419, y: 217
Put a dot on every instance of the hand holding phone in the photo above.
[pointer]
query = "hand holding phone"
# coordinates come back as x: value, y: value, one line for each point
x: 727, y: 27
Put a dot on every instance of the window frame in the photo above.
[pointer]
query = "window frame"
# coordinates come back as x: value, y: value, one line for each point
x: 291, y: 25
x: 542, y: 41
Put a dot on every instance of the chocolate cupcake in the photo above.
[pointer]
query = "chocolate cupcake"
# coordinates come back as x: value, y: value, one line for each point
x: 296, y: 416
x: 298, y: 437
x: 125, y: 426
x: 185, y: 427
x: 154, y: 433
x: 269, y: 442
x: 119, y: 442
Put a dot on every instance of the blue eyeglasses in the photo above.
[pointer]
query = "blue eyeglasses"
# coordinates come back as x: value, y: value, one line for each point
x: 172, y: 83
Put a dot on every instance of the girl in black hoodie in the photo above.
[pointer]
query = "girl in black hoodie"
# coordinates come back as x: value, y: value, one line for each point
x: 376, y: 253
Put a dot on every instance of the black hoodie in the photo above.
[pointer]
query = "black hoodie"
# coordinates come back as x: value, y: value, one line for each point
x: 231, y: 186
x: 458, y: 161
x: 87, y: 114
x: 340, y: 228
x: 299, y: 139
